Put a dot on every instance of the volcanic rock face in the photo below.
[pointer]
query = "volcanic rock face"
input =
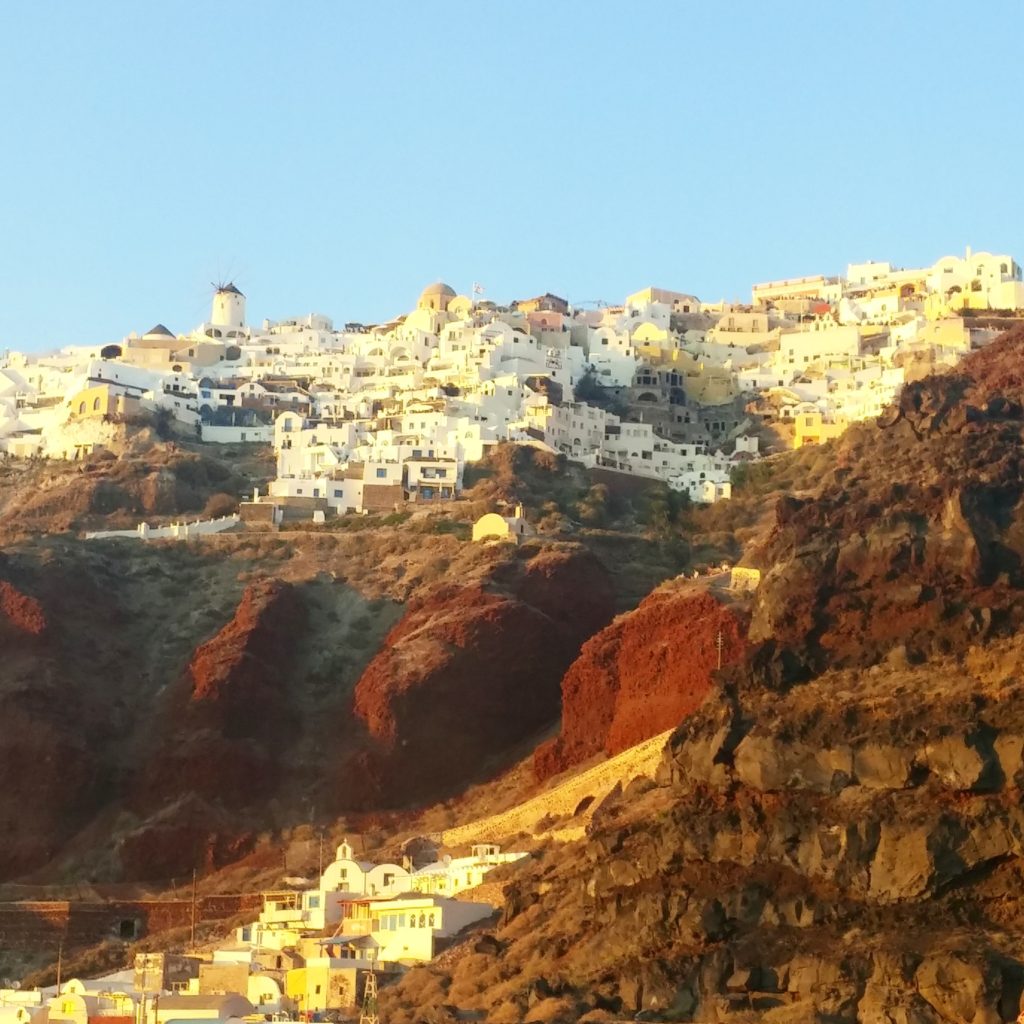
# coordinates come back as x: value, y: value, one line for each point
x: 915, y: 540
x: 644, y: 673
x: 227, y: 741
x: 474, y: 669
x: 22, y: 613
x: 851, y: 851
x: 190, y: 834
x: 48, y: 771
x: 238, y: 676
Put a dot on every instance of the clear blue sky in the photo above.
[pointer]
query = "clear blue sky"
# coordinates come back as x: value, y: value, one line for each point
x: 336, y: 157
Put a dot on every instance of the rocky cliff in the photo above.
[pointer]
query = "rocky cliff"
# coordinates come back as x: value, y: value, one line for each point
x: 914, y: 537
x: 473, y: 669
x: 168, y: 703
x: 239, y: 677
x: 836, y: 833
x: 645, y: 672
x: 851, y: 851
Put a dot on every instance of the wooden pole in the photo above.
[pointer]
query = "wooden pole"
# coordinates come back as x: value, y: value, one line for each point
x: 192, y: 939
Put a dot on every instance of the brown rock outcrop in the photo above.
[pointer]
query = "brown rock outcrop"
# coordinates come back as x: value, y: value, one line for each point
x: 23, y: 613
x: 49, y: 777
x: 238, y: 676
x: 644, y: 673
x: 188, y: 835
x: 914, y: 539
x: 849, y: 851
x: 474, y: 669
x: 230, y: 720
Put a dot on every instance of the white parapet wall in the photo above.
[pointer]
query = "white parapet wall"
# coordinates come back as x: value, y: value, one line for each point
x: 176, y: 531
x: 238, y: 435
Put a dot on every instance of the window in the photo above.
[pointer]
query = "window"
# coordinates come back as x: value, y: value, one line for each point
x: 314, y: 902
x: 337, y: 493
x: 382, y: 474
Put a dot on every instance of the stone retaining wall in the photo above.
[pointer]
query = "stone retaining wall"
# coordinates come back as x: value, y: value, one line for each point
x: 32, y: 925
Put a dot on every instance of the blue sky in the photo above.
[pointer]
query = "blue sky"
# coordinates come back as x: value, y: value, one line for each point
x: 336, y: 157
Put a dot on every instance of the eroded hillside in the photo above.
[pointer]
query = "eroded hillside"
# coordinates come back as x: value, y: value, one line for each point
x: 851, y: 851
x: 836, y: 833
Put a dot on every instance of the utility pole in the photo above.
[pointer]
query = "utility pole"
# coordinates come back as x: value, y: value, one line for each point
x: 719, y: 644
x: 368, y: 1014
x: 192, y: 940
x: 60, y: 961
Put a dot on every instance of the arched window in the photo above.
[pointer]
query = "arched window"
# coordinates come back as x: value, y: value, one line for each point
x: 96, y: 404
x: 81, y: 408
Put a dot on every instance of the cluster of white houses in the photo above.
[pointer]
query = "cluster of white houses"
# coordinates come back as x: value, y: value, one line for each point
x: 366, y: 418
x: 309, y: 951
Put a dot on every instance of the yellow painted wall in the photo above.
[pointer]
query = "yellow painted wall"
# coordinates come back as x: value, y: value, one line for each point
x: 99, y: 401
x: 321, y: 986
x: 810, y: 428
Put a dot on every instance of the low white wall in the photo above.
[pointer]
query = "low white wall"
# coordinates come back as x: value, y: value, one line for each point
x: 176, y: 531
x: 238, y: 435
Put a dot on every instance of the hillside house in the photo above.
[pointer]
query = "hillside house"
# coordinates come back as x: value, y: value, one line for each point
x: 493, y: 527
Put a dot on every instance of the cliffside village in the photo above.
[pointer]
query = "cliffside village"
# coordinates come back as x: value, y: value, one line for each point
x: 309, y: 953
x: 664, y: 386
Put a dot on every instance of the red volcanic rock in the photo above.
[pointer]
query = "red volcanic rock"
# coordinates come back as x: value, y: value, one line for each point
x: 236, y: 675
x: 643, y: 674
x: 190, y: 835
x: 997, y: 370
x: 474, y: 669
x: 235, y: 772
x: 48, y: 777
x: 24, y: 613
x: 912, y: 540
x: 231, y: 702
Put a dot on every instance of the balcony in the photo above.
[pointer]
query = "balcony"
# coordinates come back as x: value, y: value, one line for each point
x: 285, y: 915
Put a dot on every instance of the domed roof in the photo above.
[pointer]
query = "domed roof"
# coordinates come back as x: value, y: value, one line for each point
x: 158, y: 332
x: 229, y: 288
x: 439, y: 290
